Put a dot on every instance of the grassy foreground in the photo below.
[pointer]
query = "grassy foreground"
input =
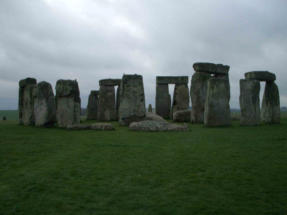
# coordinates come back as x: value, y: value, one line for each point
x: 236, y: 170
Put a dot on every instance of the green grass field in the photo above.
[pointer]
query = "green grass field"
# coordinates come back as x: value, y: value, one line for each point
x: 235, y: 170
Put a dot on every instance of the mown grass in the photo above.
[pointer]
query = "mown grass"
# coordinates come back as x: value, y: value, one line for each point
x: 236, y: 170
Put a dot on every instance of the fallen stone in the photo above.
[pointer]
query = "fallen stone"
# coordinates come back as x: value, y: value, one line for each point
x: 102, y: 127
x: 132, y: 99
x: 217, y: 109
x: 182, y: 116
x: 93, y: 103
x: 198, y: 92
x: 68, y: 103
x: 154, y: 126
x: 44, y: 105
x: 154, y: 117
x: 95, y: 126
x: 261, y: 76
x: 249, y: 102
x: 270, y: 111
x: 211, y: 68
x: 26, y: 101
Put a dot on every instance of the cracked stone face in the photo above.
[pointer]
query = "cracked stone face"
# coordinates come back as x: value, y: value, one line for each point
x: 198, y: 92
x: 132, y: 99
x: 44, y: 105
x: 217, y: 109
x: 93, y: 102
x: 249, y: 102
x: 270, y: 111
x: 26, y: 101
x: 68, y: 103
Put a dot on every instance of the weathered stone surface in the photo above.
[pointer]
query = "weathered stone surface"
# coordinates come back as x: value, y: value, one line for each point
x: 149, y: 108
x: 26, y: 101
x: 211, y: 68
x: 118, y: 102
x: 217, y: 109
x: 44, y: 105
x: 132, y: 99
x: 95, y: 126
x: 270, y: 112
x: 261, y: 76
x: 163, y: 101
x: 198, y: 92
x: 172, y: 80
x: 180, y: 98
x: 107, y: 103
x: 93, y: 103
x: 154, y: 117
x: 68, y: 103
x: 149, y: 125
x: 249, y: 102
x: 182, y: 116
x: 110, y: 82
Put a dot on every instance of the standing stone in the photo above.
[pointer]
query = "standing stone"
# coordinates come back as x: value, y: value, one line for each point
x: 107, y: 106
x: 249, y: 102
x: 270, y: 112
x: 132, y: 99
x: 118, y: 101
x: 68, y: 103
x: 149, y: 108
x: 92, y: 108
x: 198, y: 92
x: 180, y: 98
x: 44, y: 105
x: 163, y: 101
x: 26, y: 101
x: 217, y: 109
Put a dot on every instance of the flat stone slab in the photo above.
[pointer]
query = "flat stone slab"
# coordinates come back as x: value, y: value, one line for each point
x: 153, y: 126
x: 154, y: 117
x: 261, y: 76
x: 94, y: 126
x: 110, y: 82
x: 172, y: 79
x: 211, y: 68
x: 182, y: 116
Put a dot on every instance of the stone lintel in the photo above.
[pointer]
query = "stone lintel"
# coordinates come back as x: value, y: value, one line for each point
x: 260, y: 76
x: 172, y: 79
x: 211, y: 68
x: 110, y: 82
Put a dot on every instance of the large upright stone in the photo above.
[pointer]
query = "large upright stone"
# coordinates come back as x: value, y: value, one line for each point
x: 180, y: 98
x: 26, y: 101
x: 118, y: 102
x: 217, y: 109
x: 163, y: 101
x: 68, y: 102
x: 92, y: 108
x: 249, y: 102
x: 198, y: 92
x: 44, y: 105
x: 270, y: 112
x: 107, y: 106
x: 132, y: 99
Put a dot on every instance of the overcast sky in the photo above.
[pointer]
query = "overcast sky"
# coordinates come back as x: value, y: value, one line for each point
x: 89, y: 40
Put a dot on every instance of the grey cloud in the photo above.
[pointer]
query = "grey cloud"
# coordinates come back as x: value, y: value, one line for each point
x: 156, y: 37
